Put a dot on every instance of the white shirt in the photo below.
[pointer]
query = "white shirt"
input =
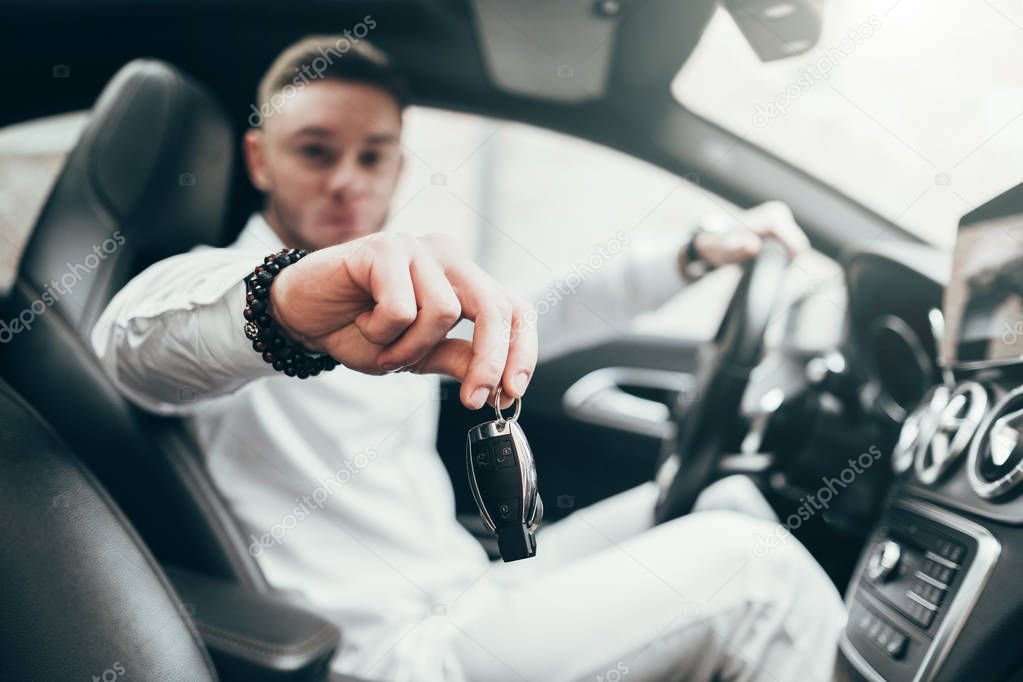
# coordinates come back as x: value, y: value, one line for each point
x: 335, y: 479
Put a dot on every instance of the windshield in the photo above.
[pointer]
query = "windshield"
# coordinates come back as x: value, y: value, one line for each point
x: 913, y: 110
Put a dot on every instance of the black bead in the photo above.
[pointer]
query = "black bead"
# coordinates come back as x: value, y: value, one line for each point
x: 267, y: 333
x: 278, y: 343
x: 264, y: 320
x: 273, y: 268
x: 258, y: 307
x: 294, y: 256
x: 284, y: 351
x: 302, y: 373
x: 290, y: 371
x: 264, y: 278
x: 279, y: 365
x: 269, y: 259
x: 248, y: 313
x: 269, y: 357
x: 259, y: 291
x: 283, y: 260
x: 259, y: 345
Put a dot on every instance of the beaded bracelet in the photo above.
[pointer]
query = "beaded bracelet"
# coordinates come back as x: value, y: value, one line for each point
x: 282, y: 353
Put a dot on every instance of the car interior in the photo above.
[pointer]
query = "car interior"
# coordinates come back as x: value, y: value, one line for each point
x: 121, y: 553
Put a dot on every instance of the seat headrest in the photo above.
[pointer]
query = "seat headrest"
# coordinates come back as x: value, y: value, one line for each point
x: 149, y: 177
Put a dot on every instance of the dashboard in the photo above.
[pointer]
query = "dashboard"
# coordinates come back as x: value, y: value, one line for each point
x: 935, y: 594
x: 895, y: 306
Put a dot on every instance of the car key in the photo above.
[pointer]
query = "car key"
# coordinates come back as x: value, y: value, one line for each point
x: 502, y: 476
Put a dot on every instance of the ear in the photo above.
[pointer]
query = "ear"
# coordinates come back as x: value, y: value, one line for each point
x: 255, y: 159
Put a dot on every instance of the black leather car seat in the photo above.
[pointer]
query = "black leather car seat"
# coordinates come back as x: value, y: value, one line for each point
x: 81, y: 598
x: 149, y: 177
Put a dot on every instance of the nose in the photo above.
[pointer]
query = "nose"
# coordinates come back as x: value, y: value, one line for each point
x: 346, y: 178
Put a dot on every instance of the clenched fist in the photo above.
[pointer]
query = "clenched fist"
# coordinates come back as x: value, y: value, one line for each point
x: 386, y: 303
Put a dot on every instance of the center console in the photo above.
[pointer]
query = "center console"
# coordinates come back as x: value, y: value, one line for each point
x: 936, y: 594
x: 915, y: 587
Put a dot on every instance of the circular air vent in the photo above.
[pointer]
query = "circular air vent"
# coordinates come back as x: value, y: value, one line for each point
x: 996, y: 457
x: 951, y: 432
x: 918, y: 425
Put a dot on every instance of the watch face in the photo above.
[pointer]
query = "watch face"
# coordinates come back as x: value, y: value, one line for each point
x: 695, y: 266
x: 695, y: 269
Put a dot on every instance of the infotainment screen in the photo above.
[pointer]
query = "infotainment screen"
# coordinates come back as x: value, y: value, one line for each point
x: 984, y: 298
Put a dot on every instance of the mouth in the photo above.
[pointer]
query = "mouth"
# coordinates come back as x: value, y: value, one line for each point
x: 345, y: 220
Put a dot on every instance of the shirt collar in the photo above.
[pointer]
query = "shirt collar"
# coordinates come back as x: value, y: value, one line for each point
x: 258, y: 235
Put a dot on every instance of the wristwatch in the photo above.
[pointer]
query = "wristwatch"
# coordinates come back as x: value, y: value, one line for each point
x: 695, y: 266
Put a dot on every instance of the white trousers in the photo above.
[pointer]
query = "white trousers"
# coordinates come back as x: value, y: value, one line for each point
x: 609, y: 597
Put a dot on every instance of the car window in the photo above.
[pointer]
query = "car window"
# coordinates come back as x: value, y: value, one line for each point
x: 913, y: 110
x: 529, y: 203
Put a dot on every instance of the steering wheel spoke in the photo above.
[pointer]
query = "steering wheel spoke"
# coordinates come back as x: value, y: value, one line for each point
x: 726, y: 363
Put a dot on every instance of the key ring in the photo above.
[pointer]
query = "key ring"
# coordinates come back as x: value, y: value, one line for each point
x: 517, y: 402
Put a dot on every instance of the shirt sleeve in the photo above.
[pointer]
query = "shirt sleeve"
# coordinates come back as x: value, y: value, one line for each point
x: 173, y: 336
x: 597, y: 299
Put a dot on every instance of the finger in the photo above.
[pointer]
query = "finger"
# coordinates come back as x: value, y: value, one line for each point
x: 775, y: 219
x: 439, y: 311
x: 453, y: 357
x: 522, y: 352
x: 450, y: 357
x: 737, y: 245
x: 490, y: 309
x: 791, y: 238
x: 390, y: 285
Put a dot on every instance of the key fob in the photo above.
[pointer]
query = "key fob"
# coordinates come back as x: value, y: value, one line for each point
x: 502, y: 477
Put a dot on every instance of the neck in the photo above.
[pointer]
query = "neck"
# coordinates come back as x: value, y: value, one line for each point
x: 270, y: 216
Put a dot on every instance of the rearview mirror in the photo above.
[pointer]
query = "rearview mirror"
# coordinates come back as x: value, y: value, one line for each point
x: 776, y: 29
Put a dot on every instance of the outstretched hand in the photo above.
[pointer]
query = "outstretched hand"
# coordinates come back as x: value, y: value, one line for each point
x: 386, y: 303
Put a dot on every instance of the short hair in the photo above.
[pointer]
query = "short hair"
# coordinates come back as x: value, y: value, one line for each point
x: 336, y: 57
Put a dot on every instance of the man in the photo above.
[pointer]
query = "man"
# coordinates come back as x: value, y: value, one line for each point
x: 336, y: 477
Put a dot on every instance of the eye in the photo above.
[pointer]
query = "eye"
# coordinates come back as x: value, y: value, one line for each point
x: 370, y: 158
x: 315, y: 152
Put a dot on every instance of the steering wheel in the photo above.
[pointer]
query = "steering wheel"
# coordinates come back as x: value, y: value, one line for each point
x: 726, y: 363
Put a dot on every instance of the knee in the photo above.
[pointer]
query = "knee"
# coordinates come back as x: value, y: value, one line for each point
x: 779, y: 568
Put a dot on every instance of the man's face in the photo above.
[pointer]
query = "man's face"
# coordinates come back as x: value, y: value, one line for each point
x: 328, y: 162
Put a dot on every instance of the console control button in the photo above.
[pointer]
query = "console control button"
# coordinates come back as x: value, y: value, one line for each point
x: 884, y: 560
x: 883, y: 634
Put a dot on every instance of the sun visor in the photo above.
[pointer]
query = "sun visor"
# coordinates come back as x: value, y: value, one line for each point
x: 548, y: 49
